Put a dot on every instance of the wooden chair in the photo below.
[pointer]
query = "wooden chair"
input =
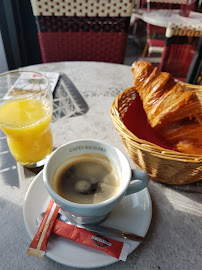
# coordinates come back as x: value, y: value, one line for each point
x: 76, y: 30
x: 180, y: 46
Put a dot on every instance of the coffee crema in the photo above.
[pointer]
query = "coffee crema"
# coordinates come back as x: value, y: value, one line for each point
x: 86, y: 181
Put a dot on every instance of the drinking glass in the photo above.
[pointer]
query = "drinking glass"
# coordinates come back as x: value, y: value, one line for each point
x: 186, y: 8
x: 26, y: 106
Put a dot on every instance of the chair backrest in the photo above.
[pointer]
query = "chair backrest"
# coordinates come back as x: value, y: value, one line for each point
x: 180, y: 46
x: 82, y: 30
x: 185, y: 5
x: 164, y: 4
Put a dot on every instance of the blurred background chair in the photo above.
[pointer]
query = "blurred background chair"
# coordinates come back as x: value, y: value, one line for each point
x: 155, y: 34
x: 155, y: 40
x: 77, y: 30
x: 179, y: 50
x: 140, y: 6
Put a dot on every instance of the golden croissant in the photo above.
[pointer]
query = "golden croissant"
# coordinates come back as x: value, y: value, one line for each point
x: 173, y: 109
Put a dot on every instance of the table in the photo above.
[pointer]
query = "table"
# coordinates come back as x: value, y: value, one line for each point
x: 174, y: 237
x: 162, y: 17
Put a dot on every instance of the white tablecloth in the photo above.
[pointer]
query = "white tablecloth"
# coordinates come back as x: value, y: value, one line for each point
x: 162, y: 17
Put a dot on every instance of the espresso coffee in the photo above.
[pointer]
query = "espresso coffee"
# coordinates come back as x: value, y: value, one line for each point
x: 86, y: 181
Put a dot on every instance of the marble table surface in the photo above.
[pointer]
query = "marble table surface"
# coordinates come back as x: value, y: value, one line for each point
x: 174, y: 238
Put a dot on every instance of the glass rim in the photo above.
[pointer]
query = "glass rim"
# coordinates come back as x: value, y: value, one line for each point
x: 33, y: 94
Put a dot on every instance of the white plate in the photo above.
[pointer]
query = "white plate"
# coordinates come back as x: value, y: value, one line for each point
x: 133, y: 214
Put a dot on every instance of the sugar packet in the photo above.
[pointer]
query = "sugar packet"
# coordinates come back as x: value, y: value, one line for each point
x: 50, y: 224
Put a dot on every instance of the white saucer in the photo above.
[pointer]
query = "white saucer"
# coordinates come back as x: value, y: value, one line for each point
x: 133, y: 214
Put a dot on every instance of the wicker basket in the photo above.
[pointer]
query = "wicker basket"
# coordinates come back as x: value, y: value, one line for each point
x: 162, y: 165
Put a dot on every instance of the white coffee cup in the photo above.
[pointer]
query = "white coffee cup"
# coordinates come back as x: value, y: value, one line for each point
x: 131, y: 181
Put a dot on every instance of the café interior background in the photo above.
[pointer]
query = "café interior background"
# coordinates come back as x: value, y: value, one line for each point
x: 19, y: 41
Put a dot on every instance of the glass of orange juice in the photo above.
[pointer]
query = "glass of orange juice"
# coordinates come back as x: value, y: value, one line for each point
x: 26, y: 106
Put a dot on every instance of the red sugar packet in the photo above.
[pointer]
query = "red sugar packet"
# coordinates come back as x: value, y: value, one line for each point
x: 50, y: 224
x: 112, y: 247
x: 39, y: 243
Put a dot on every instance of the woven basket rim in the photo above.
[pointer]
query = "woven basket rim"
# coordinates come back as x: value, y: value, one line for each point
x: 148, y: 146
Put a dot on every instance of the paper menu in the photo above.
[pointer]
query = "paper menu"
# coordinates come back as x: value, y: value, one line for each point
x: 31, y: 82
x: 53, y: 78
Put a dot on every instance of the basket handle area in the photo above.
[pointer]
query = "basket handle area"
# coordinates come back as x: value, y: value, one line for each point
x: 138, y: 182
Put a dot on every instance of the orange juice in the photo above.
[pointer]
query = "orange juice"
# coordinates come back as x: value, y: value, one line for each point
x: 26, y: 124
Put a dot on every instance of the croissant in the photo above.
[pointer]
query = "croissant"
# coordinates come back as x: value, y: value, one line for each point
x: 173, y: 109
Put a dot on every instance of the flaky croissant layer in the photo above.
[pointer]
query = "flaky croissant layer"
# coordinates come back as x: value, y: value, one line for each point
x: 172, y: 109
